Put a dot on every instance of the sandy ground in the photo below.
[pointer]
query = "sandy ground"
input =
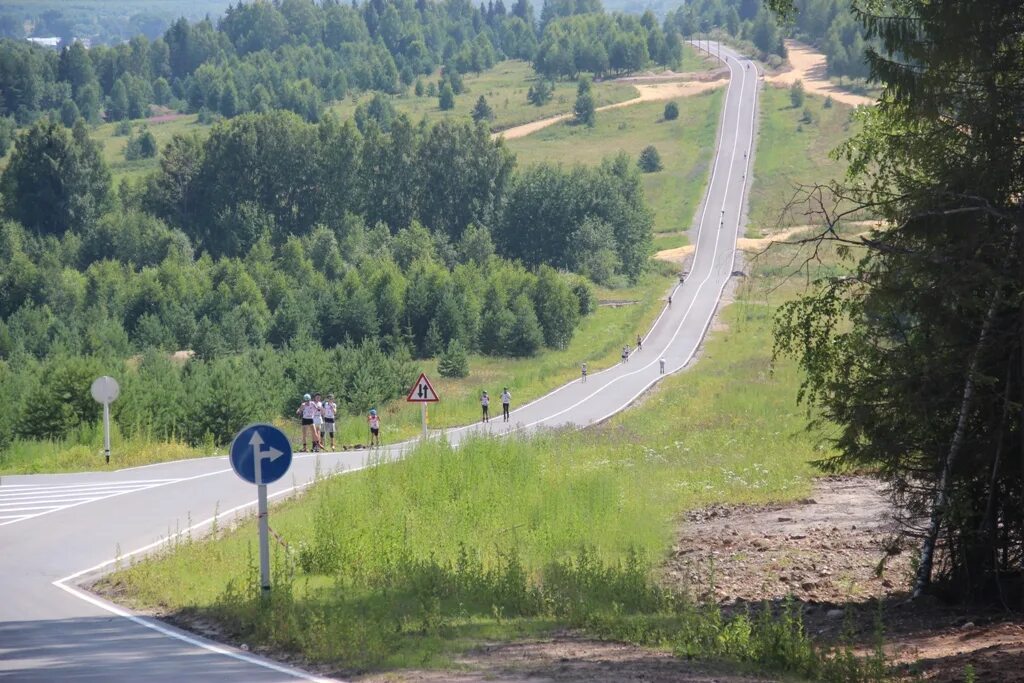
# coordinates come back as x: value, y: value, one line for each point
x: 648, y: 92
x: 808, y: 66
x: 751, y: 244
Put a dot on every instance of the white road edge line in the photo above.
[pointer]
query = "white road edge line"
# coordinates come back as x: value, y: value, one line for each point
x: 161, y: 628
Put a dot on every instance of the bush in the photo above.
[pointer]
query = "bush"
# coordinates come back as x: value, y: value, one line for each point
x: 446, y: 98
x: 482, y: 111
x: 585, y: 110
x: 141, y: 146
x: 540, y: 93
x: 828, y: 102
x: 123, y: 128
x: 808, y: 116
x: 796, y: 94
x: 650, y: 160
x: 671, y: 111
x: 454, y: 362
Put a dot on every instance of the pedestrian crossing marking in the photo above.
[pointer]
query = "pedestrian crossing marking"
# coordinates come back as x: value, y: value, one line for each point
x: 19, y: 502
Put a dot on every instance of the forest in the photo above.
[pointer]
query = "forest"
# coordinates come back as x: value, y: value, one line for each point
x: 298, y: 55
x: 829, y: 25
x: 286, y: 241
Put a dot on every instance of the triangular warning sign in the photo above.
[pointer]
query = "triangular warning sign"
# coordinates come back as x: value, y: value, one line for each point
x: 422, y: 391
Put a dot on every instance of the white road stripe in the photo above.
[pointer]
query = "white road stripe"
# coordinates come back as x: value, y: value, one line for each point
x: 22, y: 502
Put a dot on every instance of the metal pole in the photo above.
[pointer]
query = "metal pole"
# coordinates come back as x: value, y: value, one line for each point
x: 264, y: 524
x: 106, y: 431
x: 423, y: 415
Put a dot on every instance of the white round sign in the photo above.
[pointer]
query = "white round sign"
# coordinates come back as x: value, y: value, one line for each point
x: 105, y: 389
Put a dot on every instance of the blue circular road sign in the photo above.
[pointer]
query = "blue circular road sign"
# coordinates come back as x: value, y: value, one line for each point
x: 263, y: 448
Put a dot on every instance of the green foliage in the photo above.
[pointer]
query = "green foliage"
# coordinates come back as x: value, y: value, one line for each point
x: 540, y: 92
x: 796, y: 94
x: 55, y: 179
x: 584, y: 109
x: 446, y: 97
x: 8, y: 128
x: 482, y: 111
x: 454, y: 362
x: 650, y: 160
x: 671, y: 111
x: 141, y: 146
x: 915, y: 356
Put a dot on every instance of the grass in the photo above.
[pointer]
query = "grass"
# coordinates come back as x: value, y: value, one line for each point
x: 685, y: 146
x: 505, y: 87
x: 112, y: 146
x: 407, y: 564
x: 791, y: 154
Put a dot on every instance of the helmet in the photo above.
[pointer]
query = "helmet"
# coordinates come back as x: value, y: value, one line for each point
x: 306, y: 397
x: 373, y: 411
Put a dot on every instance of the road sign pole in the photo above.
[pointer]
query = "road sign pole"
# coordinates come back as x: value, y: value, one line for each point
x: 106, y: 431
x: 264, y: 523
x: 423, y: 416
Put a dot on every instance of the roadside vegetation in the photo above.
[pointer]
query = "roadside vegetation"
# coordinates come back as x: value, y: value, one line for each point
x: 407, y: 564
x: 794, y: 151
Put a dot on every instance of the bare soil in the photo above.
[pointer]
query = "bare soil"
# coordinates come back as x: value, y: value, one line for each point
x: 808, y: 65
x: 833, y: 553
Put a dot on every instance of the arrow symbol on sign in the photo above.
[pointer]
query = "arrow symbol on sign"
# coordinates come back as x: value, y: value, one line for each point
x: 270, y: 454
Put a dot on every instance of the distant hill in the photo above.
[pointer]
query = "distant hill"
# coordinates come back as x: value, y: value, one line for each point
x: 100, y: 21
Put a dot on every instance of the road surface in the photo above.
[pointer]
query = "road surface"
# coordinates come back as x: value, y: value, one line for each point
x: 56, y: 530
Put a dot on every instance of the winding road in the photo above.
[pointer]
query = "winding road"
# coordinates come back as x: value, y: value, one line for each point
x: 57, y: 530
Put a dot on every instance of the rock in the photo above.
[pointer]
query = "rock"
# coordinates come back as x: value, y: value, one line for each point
x: 809, y: 584
x: 784, y: 519
x: 797, y: 537
x: 969, y: 624
x: 835, y: 614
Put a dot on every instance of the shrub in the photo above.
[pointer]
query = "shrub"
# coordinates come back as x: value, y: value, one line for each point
x: 123, y: 128
x: 141, y: 146
x: 650, y: 160
x: 482, y: 111
x: 454, y: 362
x: 808, y: 116
x: 585, y: 110
x: 796, y: 94
x: 828, y: 102
x: 446, y: 98
x: 539, y: 93
x: 671, y: 111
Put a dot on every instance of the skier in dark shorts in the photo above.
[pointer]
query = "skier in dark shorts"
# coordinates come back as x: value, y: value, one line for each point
x: 639, y: 343
x: 374, y: 423
x: 485, y: 403
x: 506, y: 399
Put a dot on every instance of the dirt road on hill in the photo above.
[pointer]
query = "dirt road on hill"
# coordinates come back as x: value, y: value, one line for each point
x: 808, y: 66
x: 648, y: 92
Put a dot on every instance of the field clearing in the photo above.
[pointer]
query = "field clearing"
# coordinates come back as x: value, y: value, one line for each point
x: 411, y: 563
x: 112, y: 145
x: 505, y: 86
x: 685, y: 146
x: 791, y: 154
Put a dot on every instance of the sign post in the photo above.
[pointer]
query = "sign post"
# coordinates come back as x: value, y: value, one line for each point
x: 422, y: 392
x: 261, y: 454
x: 105, y: 390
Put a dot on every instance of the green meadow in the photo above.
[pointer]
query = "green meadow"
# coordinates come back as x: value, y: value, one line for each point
x: 794, y: 154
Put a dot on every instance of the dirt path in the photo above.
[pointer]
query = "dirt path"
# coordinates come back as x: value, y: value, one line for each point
x: 808, y: 66
x: 648, y: 92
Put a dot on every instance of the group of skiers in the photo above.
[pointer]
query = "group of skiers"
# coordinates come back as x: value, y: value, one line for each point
x: 318, y: 420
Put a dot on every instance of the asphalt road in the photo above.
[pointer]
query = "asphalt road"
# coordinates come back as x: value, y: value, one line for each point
x: 57, y: 530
